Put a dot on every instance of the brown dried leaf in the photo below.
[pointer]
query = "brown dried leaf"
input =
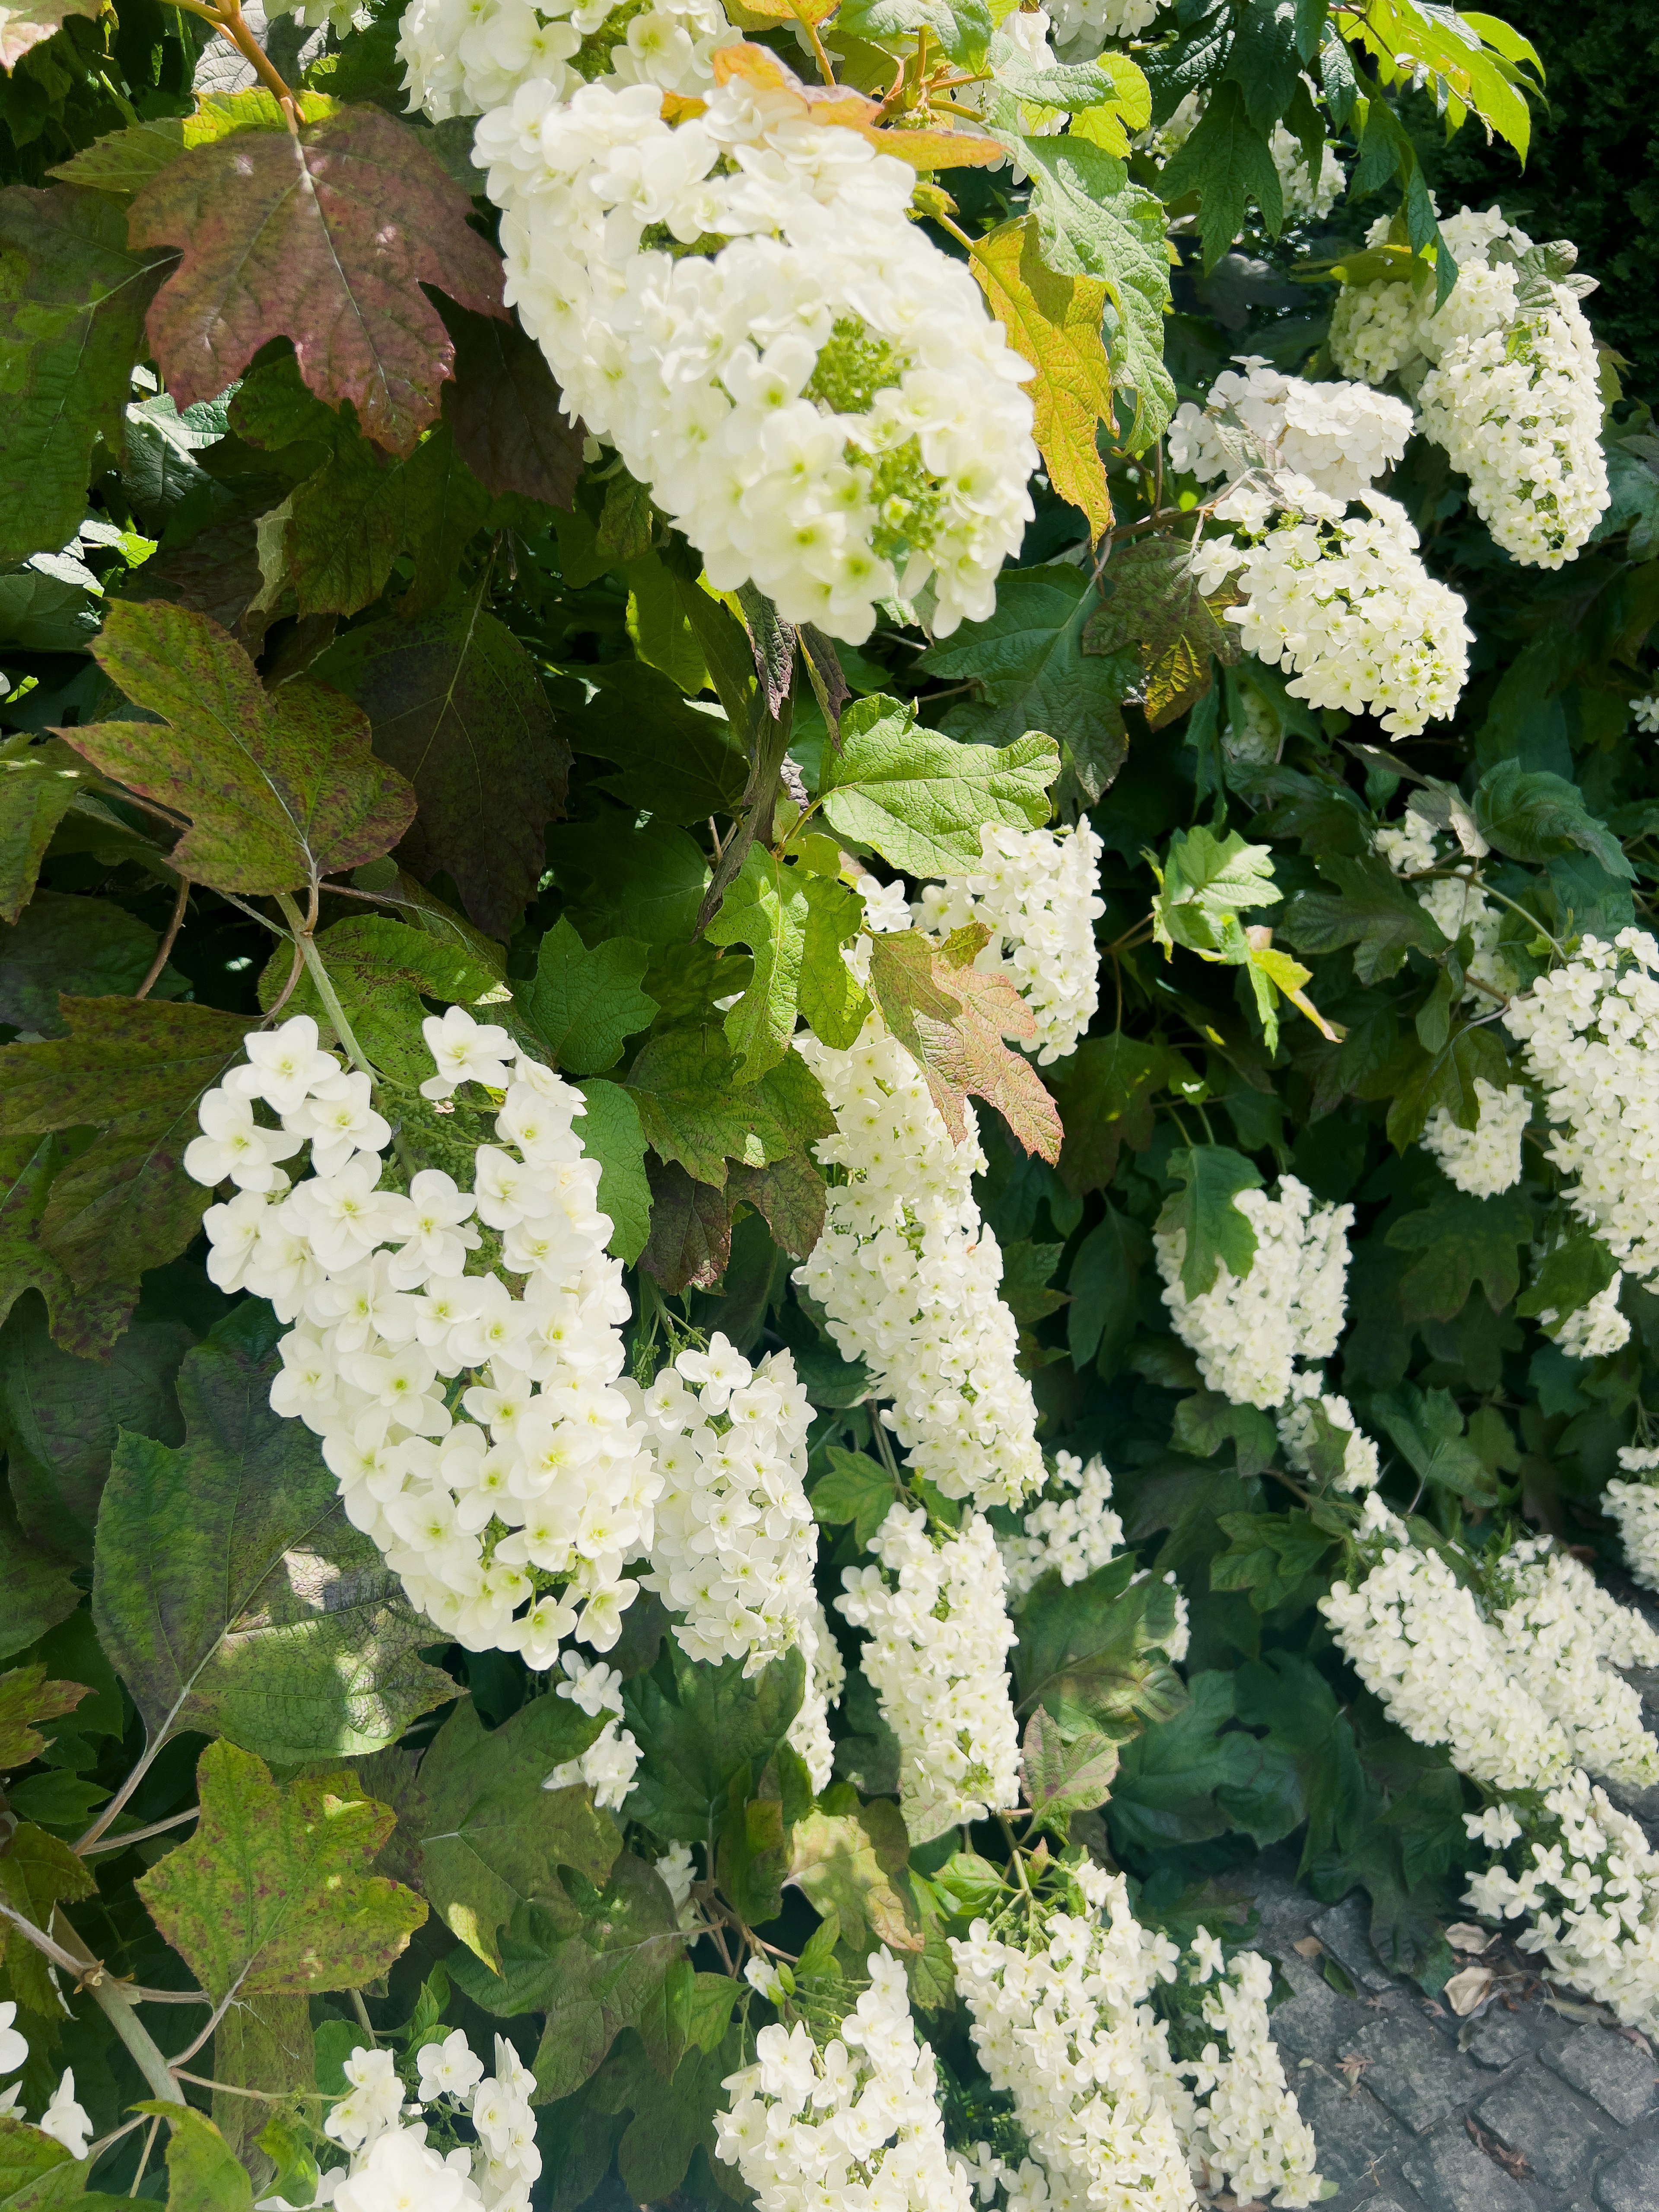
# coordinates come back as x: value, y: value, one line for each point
x: 325, y: 237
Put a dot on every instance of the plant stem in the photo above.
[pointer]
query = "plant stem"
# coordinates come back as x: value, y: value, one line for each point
x: 324, y: 981
x: 163, y: 950
x: 143, y: 2155
x: 230, y: 24
x: 364, y: 2021
x: 108, y: 1994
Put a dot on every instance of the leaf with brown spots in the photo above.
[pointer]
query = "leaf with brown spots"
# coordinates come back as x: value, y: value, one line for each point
x: 690, y: 1238
x: 505, y: 413
x: 272, y: 1894
x: 952, y: 1020
x: 324, y: 237
x: 279, y: 793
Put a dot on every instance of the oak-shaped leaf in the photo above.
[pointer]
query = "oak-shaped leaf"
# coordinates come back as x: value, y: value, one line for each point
x: 1090, y: 1653
x: 232, y: 1595
x: 683, y: 1082
x: 278, y: 792
x: 38, y: 1873
x: 458, y: 706
x: 324, y: 236
x: 690, y: 1239
x: 612, y: 1134
x: 1202, y: 1213
x: 919, y: 797
x: 835, y: 1862
x: 1157, y: 608
x: 699, y: 1729
x: 954, y: 1020
x: 135, y: 1070
x: 73, y: 294
x: 584, y: 1003
x: 26, y: 1698
x: 507, y: 415
x: 1054, y: 322
x: 273, y: 1893
x: 492, y: 1838
x: 1060, y: 1777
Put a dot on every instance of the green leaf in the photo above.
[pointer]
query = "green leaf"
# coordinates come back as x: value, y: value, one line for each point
x: 271, y: 1894
x: 693, y: 1111
x: 1227, y: 161
x: 1095, y: 223
x: 1062, y: 1779
x: 1376, y: 914
x: 960, y: 28
x: 1105, y: 1092
x: 1158, y: 610
x: 382, y: 971
x: 612, y: 1134
x: 1104, y: 1284
x: 1205, y: 883
x: 1463, y: 1241
x: 919, y: 797
x: 492, y: 1838
x: 1469, y: 61
x: 696, y: 1727
x: 1270, y: 1556
x: 833, y: 1004
x: 458, y: 707
x: 38, y: 785
x: 37, y: 1874
x: 836, y: 1863
x: 1569, y: 1274
x: 1427, y: 1428
x: 855, y: 1489
x: 61, y: 1416
x: 1091, y: 1653
x: 681, y: 761
x: 26, y: 1698
x: 764, y: 907
x: 73, y: 295
x: 690, y: 1242
x: 1533, y: 815
x: 1192, y: 1776
x: 1445, y: 1077
x: 1207, y: 1420
x: 135, y: 1069
x: 264, y: 2044
x: 646, y: 880
x: 286, y: 235
x: 583, y: 1004
x: 279, y: 792
x: 83, y: 948
x: 504, y: 412
x: 1216, y: 1231
x: 203, y: 2172
x: 233, y: 1596
x: 37, y: 2173
x: 35, y: 1590
x: 1029, y: 661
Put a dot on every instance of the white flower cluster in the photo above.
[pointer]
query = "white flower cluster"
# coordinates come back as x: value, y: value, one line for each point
x: 1635, y: 1507
x: 64, y: 2120
x: 1645, y: 714
x: 393, y: 2168
x: 1592, y: 1330
x: 908, y: 1273
x: 535, y: 1489
x: 1313, y: 1424
x: 826, y: 1678
x: 1487, y: 1158
x: 734, y: 1542
x: 1071, y: 1527
x: 813, y: 392
x: 1560, y: 1634
x: 855, y: 2125
x: 1456, y: 904
x: 607, y: 1767
x: 1591, y: 1033
x: 1248, y: 1331
x: 1306, y: 198
x: 1339, y: 437
x: 1082, y: 28
x: 1345, y: 603
x: 1591, y: 1886
x: 1037, y: 892
x: 1116, y: 2123
x: 940, y: 1634
x: 1513, y: 393
x: 461, y: 57
x: 1419, y: 1640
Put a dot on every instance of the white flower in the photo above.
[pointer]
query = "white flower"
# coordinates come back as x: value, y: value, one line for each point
x: 448, y: 2068
x: 65, y: 2121
x: 940, y: 1634
x: 1487, y: 1158
x: 464, y: 1051
x: 234, y: 1144
x: 1248, y: 1331
x: 907, y: 1273
x: 374, y: 2104
x: 1635, y: 1507
x: 607, y: 1767
x: 826, y: 1678
x: 1340, y: 437
x: 1036, y: 891
x: 403, y: 2173
x: 1071, y: 1527
x: 1306, y: 198
x: 1315, y: 1425
x: 858, y: 2121
x: 14, y: 2048
x: 1644, y: 712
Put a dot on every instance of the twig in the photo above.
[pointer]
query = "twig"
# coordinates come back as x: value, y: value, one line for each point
x: 95, y: 2151
x: 143, y: 2155
x: 113, y: 2000
x: 230, y: 24
x: 363, y: 2020
x: 165, y: 948
x: 301, y: 933
x: 214, y: 2019
x: 225, y: 2088
x: 287, y: 991
x: 812, y: 31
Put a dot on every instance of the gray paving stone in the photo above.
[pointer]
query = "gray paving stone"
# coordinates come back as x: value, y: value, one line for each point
x: 1451, y: 2172
x: 1416, y: 2074
x: 1345, y: 1931
x: 1554, y: 2131
x: 1316, y: 2020
x: 1621, y: 2077
x: 1502, y: 2038
x: 1353, y: 2132
x: 1631, y: 2184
